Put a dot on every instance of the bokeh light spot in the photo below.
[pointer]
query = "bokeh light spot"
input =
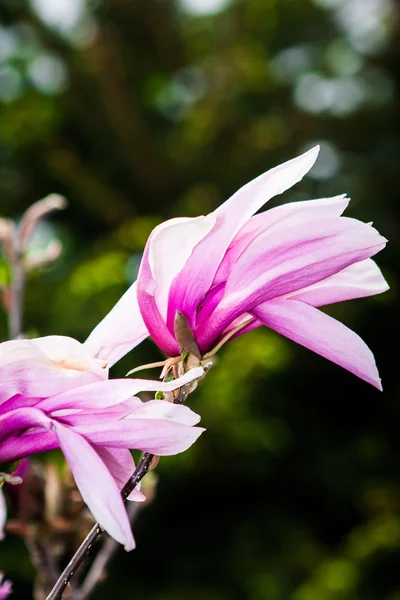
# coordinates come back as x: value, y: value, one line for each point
x: 48, y: 73
x: 204, y: 7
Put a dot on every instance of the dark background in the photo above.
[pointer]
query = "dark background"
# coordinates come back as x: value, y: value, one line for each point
x: 141, y: 111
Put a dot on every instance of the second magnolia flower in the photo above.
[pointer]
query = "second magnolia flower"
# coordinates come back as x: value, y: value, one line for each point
x: 229, y: 272
x: 55, y: 394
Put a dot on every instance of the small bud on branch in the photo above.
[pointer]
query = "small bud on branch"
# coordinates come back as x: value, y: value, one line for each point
x: 35, y: 213
x: 43, y: 258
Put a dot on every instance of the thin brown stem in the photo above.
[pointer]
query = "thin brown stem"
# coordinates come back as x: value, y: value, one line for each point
x: 17, y: 290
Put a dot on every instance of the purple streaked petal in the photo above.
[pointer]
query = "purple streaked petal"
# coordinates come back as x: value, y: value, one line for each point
x: 75, y: 417
x: 290, y: 259
x: 96, y: 484
x: 210, y: 303
x: 18, y: 401
x: 287, y: 215
x: 94, y: 396
x: 22, y: 418
x: 113, y: 391
x: 170, y: 246
x: 195, y: 279
x: 251, y: 197
x: 120, y: 331
x: 322, y: 334
x: 159, y: 437
x: 295, y: 213
x: 278, y: 263
x: 146, y: 289
x: 356, y: 281
x: 32, y: 442
x: 120, y: 463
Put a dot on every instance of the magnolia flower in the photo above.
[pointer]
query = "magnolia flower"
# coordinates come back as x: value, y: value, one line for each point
x: 54, y: 394
x: 230, y: 271
x: 5, y: 587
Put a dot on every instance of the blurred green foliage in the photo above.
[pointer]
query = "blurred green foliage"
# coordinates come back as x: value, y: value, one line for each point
x: 141, y: 111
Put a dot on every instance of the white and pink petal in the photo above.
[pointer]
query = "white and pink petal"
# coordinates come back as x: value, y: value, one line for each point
x: 109, y: 393
x: 120, y: 331
x: 322, y: 334
x: 120, y: 463
x: 96, y: 485
x: 146, y: 294
x: 158, y: 436
x: 38, y: 368
x: 355, y: 281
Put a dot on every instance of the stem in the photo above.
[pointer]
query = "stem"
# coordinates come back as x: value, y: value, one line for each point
x: 17, y: 291
x: 138, y: 474
x: 84, y: 549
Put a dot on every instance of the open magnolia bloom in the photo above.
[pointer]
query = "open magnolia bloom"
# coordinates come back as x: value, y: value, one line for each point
x: 229, y: 272
x: 54, y: 394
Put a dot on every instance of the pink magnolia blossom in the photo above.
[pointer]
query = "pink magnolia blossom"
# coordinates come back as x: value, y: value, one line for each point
x: 5, y: 587
x: 231, y: 271
x: 54, y: 394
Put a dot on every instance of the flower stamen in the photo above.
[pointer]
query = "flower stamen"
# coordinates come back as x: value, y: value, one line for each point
x: 227, y: 338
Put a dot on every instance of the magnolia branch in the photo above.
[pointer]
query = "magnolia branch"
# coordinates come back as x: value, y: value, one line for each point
x: 15, y: 241
x: 17, y: 289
